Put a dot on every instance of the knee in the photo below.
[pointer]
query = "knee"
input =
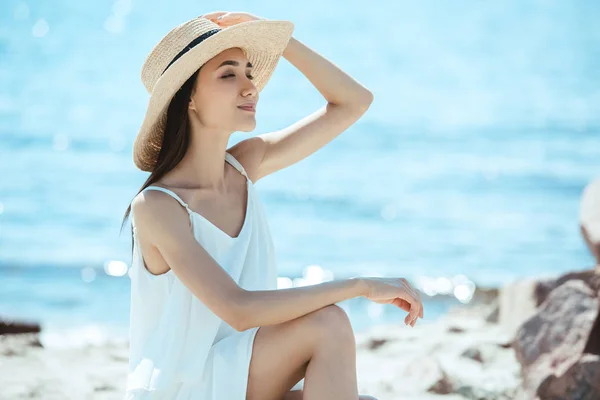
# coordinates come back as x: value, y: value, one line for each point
x: 332, y: 322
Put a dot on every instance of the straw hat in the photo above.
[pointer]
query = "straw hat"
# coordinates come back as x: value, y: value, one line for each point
x: 185, y: 49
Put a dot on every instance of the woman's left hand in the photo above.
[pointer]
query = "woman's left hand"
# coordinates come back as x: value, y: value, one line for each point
x: 229, y: 18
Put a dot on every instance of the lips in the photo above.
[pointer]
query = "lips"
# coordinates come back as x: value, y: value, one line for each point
x: 248, y: 107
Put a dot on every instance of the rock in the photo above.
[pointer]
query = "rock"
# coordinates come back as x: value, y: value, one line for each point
x: 493, y: 313
x: 484, y: 353
x: 484, y: 295
x: 443, y: 385
x: 505, y: 345
x: 427, y: 375
x: 477, y: 393
x: 474, y: 354
x: 10, y: 327
x: 517, y: 303
x: 553, y: 339
x: 376, y: 343
x: 591, y: 277
x: 580, y: 382
x: 593, y: 344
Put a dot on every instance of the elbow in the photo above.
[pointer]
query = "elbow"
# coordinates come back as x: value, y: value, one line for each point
x: 363, y: 101
x: 357, y: 105
x: 366, y: 98
x: 239, y: 324
x: 239, y: 319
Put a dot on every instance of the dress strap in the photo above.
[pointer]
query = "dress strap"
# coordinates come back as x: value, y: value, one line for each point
x: 171, y: 193
x: 231, y: 159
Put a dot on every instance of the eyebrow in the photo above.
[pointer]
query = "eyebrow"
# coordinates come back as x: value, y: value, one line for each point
x: 234, y: 63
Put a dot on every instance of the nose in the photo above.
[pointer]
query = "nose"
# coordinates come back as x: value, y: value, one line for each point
x: 249, y: 88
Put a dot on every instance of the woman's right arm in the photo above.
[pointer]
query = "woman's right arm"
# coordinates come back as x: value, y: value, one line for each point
x: 164, y: 224
x: 266, y: 307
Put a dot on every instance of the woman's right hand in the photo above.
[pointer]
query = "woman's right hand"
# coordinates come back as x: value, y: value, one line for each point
x: 396, y: 291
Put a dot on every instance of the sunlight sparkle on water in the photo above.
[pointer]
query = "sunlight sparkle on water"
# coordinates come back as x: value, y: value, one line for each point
x: 115, y: 268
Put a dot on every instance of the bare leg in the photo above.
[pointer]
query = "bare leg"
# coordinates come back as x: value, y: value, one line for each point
x: 331, y: 372
x: 280, y: 356
x: 279, y: 359
x: 318, y: 346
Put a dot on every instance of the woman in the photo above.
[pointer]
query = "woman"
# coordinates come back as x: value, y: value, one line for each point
x: 207, y: 320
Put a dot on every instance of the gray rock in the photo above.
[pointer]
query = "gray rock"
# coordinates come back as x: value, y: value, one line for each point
x: 553, y: 339
x: 517, y: 303
x: 12, y: 327
x: 543, y: 288
x: 493, y: 313
x: 443, y: 385
x: 580, y: 382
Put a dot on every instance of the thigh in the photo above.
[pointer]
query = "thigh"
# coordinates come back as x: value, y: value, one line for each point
x: 281, y: 353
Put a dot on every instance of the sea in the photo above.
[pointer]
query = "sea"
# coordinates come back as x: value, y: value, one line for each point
x: 466, y: 171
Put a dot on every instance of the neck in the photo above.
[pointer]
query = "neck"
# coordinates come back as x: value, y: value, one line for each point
x: 203, y: 165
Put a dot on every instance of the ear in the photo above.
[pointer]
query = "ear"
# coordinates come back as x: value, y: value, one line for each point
x: 192, y: 104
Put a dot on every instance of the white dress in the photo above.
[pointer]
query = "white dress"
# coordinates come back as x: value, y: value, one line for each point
x: 179, y: 349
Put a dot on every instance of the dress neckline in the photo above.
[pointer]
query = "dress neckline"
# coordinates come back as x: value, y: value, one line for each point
x: 244, y: 224
x: 234, y: 163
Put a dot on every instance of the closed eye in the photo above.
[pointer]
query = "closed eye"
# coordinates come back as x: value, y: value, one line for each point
x: 233, y: 75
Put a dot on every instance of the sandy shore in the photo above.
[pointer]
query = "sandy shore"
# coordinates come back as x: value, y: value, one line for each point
x: 460, y: 356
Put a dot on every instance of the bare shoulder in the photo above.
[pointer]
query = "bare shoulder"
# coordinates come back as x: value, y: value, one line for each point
x: 164, y: 226
x: 156, y: 212
x: 250, y: 153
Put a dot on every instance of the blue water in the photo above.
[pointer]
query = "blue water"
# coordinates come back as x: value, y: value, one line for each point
x: 471, y: 160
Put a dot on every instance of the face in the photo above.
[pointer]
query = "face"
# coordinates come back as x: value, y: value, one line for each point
x: 223, y: 85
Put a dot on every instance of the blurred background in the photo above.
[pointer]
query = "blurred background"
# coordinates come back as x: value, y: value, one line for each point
x: 466, y: 171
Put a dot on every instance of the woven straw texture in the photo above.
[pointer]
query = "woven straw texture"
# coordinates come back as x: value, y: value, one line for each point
x: 262, y: 42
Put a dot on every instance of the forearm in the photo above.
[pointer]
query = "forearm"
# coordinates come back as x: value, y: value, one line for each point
x: 334, y: 84
x: 267, y: 307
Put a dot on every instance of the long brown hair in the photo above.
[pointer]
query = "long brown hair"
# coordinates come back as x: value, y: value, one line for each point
x: 176, y: 139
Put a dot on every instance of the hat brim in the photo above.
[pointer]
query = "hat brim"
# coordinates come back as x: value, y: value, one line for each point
x: 263, y: 42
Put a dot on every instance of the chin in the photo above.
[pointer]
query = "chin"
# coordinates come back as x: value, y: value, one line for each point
x: 247, y: 127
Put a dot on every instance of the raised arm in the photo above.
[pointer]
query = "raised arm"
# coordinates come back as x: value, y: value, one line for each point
x: 164, y: 224
x: 347, y: 100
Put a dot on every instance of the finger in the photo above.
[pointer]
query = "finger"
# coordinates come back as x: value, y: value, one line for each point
x: 416, y: 295
x: 414, y: 312
x: 214, y: 17
x: 214, y: 14
x: 411, y: 317
x: 403, y: 304
x: 415, y: 315
x: 414, y: 307
x: 418, y: 311
x: 229, y: 16
x: 226, y: 24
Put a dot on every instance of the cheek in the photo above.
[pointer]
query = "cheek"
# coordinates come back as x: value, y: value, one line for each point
x: 215, y: 107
